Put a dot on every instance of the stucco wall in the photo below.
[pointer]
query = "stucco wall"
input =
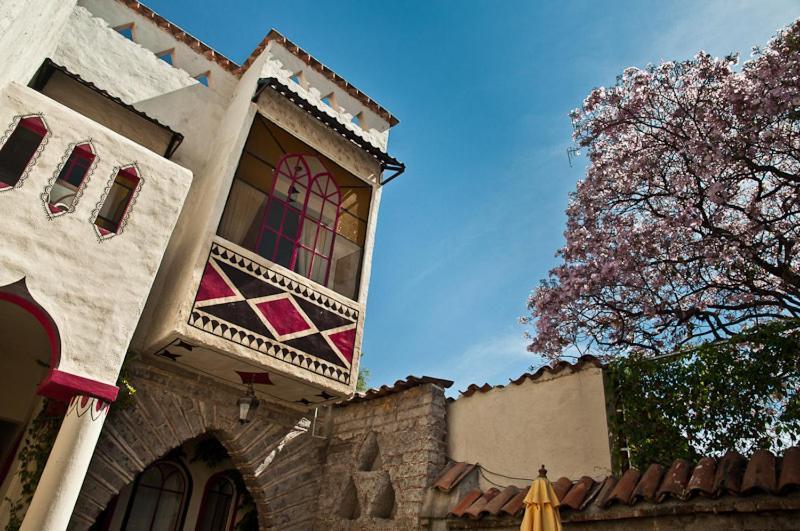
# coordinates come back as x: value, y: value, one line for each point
x: 94, y: 290
x: 152, y: 39
x: 29, y: 32
x: 558, y: 420
x: 90, y: 48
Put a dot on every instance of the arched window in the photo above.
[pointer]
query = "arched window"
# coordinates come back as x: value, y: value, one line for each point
x: 159, y: 499
x: 299, y: 223
x: 19, y: 150
x: 219, y: 504
x: 64, y: 193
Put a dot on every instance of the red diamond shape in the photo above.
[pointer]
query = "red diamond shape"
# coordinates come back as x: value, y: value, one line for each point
x: 212, y: 285
x: 345, y: 341
x: 283, y: 316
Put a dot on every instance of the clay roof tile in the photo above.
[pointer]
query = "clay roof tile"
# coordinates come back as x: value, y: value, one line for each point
x: 465, y: 502
x: 515, y: 504
x: 497, y: 503
x: 730, y: 470
x: 760, y: 473
x: 478, y: 508
x: 648, y: 484
x: 702, y: 479
x: 578, y: 493
x: 562, y: 487
x: 675, y: 480
x: 790, y: 470
x: 607, y: 486
x: 452, y: 475
x: 623, y: 490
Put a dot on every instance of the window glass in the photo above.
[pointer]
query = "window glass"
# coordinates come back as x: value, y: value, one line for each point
x: 217, y: 505
x: 118, y: 200
x: 158, y: 499
x: 125, y: 30
x: 166, y: 56
x: 64, y: 191
x: 19, y: 149
x: 202, y: 78
x: 283, y: 195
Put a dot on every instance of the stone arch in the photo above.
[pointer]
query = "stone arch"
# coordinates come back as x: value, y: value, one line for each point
x: 172, y: 406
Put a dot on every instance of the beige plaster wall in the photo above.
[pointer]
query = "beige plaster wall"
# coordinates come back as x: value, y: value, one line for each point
x: 94, y: 290
x: 558, y: 420
x: 153, y: 39
x: 29, y: 32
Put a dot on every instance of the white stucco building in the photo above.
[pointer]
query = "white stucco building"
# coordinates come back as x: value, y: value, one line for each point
x: 206, y: 221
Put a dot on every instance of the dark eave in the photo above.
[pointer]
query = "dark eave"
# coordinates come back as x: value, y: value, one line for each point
x: 47, y: 69
x: 386, y: 161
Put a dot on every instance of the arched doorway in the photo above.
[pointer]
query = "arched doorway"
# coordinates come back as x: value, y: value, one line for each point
x: 194, y: 487
x: 29, y: 346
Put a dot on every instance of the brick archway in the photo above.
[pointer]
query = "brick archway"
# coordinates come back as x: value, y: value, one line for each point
x: 170, y: 407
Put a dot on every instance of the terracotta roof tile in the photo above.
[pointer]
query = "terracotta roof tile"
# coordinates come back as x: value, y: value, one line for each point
x: 578, y: 493
x: 730, y: 470
x: 648, y: 484
x: 465, y: 502
x: 623, y: 490
x: 515, y: 504
x: 554, y: 368
x: 760, y: 473
x: 452, y: 475
x: 790, y: 470
x: 478, y: 508
x: 675, y: 480
x: 497, y: 503
x: 604, y: 491
x: 397, y: 387
x: 562, y: 487
x: 702, y: 480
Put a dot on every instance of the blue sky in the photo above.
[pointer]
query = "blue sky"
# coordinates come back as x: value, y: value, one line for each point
x: 482, y: 90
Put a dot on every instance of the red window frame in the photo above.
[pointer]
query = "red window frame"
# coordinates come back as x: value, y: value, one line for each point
x: 36, y: 125
x: 303, y: 182
x: 81, y: 156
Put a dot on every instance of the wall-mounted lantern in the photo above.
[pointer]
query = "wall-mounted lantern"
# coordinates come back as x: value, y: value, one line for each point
x: 247, y: 403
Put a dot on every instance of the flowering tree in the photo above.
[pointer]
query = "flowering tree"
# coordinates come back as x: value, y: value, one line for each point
x: 686, y: 226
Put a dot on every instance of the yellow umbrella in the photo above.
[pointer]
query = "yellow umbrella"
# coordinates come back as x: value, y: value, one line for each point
x: 541, y: 506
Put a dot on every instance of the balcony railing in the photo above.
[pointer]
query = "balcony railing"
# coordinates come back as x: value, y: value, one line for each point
x: 262, y: 306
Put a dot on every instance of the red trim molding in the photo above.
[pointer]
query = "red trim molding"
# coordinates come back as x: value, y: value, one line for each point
x: 61, y: 385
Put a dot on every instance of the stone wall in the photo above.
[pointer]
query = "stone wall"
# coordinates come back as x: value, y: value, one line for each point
x: 371, y: 473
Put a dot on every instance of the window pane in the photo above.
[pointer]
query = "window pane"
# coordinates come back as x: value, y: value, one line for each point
x: 117, y: 201
x: 324, y: 240
x: 266, y: 247
x: 18, y: 151
x: 291, y: 223
x: 169, y: 511
x: 284, y: 254
x: 70, y: 178
x: 275, y: 215
x: 319, y: 269
x: 329, y: 214
x: 216, y: 506
x: 303, y: 261
x: 143, y: 509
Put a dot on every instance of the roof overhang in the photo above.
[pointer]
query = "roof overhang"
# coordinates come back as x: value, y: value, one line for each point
x: 386, y: 161
x: 49, y: 67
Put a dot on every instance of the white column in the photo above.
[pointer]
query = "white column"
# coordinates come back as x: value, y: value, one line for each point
x: 62, y: 478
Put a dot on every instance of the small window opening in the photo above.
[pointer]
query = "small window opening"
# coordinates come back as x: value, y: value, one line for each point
x: 330, y: 100
x: 203, y: 78
x: 64, y: 192
x: 298, y: 78
x: 219, y: 501
x: 20, y: 148
x: 117, y: 201
x: 167, y: 56
x: 126, y: 30
x: 357, y: 119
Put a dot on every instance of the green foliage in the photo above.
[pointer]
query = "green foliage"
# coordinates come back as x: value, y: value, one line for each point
x: 210, y: 451
x: 39, y: 439
x: 740, y: 394
x: 363, y: 380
